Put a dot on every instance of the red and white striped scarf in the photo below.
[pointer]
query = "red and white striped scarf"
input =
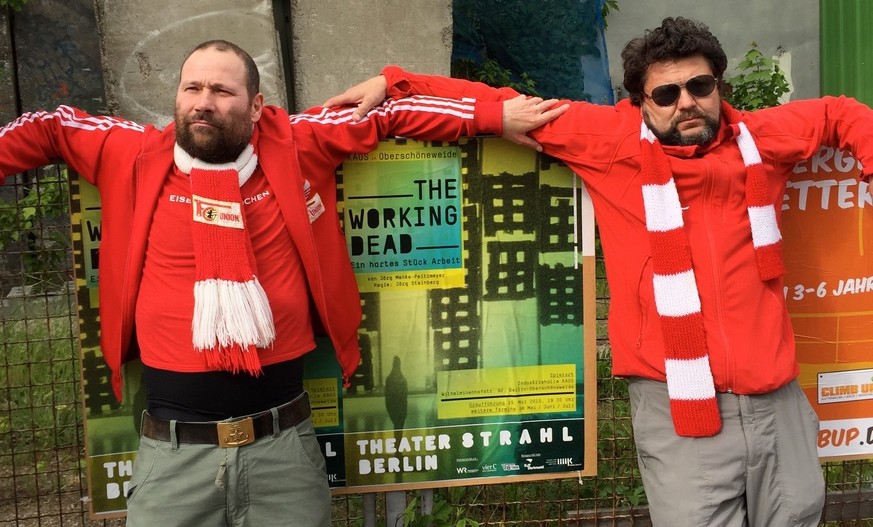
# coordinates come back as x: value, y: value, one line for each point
x: 690, y: 385
x: 232, y: 315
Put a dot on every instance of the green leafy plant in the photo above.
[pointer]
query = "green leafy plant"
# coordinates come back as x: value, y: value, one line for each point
x: 15, y: 5
x: 492, y: 73
x: 444, y: 513
x: 35, y: 222
x: 760, y: 83
x: 608, y: 5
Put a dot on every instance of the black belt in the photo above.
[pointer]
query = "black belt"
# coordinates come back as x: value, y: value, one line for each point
x: 231, y: 433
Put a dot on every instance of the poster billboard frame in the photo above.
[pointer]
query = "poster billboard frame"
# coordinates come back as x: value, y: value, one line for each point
x: 109, y: 426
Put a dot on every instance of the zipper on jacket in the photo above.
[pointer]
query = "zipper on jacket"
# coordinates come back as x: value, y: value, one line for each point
x: 708, y: 207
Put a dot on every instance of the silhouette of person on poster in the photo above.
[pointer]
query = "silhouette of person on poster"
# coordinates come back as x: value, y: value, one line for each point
x: 396, y: 395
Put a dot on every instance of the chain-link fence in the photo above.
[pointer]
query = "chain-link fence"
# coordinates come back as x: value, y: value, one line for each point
x: 42, y: 462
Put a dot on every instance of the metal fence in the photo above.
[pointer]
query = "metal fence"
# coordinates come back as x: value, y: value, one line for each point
x: 42, y: 446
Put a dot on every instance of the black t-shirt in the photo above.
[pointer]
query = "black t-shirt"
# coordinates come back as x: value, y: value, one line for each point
x: 218, y: 395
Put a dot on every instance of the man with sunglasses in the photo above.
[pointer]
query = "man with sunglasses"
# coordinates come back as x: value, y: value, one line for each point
x: 687, y: 194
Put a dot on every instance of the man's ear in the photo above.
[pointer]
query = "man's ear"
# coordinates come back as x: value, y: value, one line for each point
x: 257, y: 107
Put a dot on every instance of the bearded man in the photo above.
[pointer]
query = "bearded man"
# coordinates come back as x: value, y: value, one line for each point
x: 220, y: 249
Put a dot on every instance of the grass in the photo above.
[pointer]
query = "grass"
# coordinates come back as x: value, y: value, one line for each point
x: 39, y: 401
x: 41, y: 433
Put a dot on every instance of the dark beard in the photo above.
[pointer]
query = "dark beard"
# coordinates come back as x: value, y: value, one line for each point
x: 673, y: 137
x: 222, y: 144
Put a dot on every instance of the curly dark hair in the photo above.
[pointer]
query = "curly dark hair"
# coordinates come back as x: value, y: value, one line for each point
x: 676, y: 38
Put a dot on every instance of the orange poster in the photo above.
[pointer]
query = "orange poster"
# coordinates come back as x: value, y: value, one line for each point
x: 827, y: 221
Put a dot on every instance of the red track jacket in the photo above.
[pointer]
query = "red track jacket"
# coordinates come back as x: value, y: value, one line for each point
x: 748, y: 331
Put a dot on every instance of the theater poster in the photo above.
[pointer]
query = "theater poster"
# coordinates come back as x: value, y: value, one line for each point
x: 827, y: 218
x: 475, y: 262
x: 111, y: 429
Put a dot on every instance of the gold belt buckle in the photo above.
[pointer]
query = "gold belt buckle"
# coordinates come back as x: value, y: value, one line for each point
x: 235, y: 433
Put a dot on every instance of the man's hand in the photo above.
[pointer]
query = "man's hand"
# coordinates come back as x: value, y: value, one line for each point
x: 522, y: 114
x: 366, y: 95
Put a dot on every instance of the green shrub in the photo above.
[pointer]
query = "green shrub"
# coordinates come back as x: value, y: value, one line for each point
x: 760, y: 83
x: 37, y: 223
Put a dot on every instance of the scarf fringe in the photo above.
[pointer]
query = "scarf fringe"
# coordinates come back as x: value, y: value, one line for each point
x: 234, y: 359
x: 232, y: 319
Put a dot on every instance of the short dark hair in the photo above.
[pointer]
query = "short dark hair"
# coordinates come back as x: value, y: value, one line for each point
x: 676, y: 38
x: 253, y: 77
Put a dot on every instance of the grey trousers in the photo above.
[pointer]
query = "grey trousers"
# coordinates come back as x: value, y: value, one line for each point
x: 277, y: 480
x: 761, y: 470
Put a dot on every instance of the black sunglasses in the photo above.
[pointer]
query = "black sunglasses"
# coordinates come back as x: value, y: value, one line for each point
x: 668, y: 94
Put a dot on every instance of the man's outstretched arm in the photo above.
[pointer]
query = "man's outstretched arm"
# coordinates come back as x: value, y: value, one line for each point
x: 83, y: 141
x: 520, y: 113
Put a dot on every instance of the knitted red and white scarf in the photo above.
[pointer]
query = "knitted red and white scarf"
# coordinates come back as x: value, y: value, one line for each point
x: 690, y: 385
x: 232, y: 316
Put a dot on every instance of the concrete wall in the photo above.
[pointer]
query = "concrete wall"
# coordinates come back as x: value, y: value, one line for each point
x: 144, y: 44
x: 8, y: 109
x: 58, y: 56
x: 792, y: 25
x: 338, y: 44
x: 334, y: 45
